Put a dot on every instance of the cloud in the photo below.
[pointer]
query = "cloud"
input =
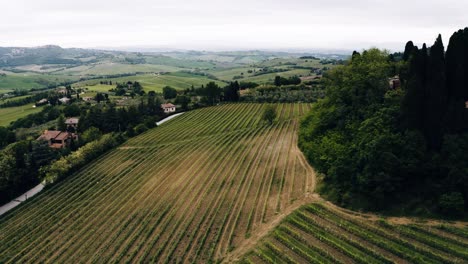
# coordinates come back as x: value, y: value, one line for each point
x: 236, y: 24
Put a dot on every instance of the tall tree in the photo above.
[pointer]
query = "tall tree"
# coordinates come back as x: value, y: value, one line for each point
x: 269, y: 114
x: 457, y: 81
x: 415, y: 97
x: 213, y: 92
x: 61, y: 123
x: 409, y: 48
x: 436, y: 101
x: 231, y: 92
x: 169, y: 92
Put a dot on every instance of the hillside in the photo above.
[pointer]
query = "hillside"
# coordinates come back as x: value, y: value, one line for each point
x: 191, y: 190
x: 323, y: 233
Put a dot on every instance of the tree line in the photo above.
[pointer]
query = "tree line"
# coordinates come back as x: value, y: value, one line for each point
x: 403, y: 150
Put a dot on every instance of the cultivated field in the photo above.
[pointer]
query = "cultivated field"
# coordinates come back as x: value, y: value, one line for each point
x: 321, y: 233
x: 109, y: 68
x: 10, y: 114
x: 153, y: 82
x: 193, y: 190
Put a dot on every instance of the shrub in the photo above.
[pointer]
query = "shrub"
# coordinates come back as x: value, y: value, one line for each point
x: 451, y: 203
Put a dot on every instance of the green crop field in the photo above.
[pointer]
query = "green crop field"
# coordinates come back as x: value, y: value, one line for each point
x: 191, y: 190
x: 26, y: 81
x: 270, y: 77
x: 116, y: 68
x: 153, y: 82
x: 215, y: 184
x: 318, y: 233
x: 10, y: 114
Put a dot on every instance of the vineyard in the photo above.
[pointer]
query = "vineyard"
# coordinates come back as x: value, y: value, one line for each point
x: 318, y: 233
x: 192, y: 190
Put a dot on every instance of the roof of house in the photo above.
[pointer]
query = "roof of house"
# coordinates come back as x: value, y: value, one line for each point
x: 55, y: 134
x: 169, y: 105
x: 72, y: 121
x: 62, y: 136
x: 49, y: 134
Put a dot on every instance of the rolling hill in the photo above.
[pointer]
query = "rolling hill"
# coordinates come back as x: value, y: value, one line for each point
x: 191, y: 190
x: 213, y: 185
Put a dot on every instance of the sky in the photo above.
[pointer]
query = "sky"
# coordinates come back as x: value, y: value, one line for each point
x: 229, y: 25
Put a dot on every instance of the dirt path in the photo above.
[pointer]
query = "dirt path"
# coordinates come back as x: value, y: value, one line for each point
x: 249, y: 243
x: 397, y: 220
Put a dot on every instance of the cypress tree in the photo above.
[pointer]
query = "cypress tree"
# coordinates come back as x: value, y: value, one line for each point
x: 436, y: 101
x: 409, y: 48
x: 457, y: 82
x: 413, y: 102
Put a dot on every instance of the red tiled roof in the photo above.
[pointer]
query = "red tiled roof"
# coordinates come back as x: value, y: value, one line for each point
x: 62, y: 136
x: 49, y: 134
x: 56, y: 135
x: 167, y: 105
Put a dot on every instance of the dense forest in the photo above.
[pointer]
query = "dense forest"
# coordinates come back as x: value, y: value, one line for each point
x: 396, y: 150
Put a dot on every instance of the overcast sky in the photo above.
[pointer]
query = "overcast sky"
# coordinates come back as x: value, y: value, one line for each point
x: 229, y: 25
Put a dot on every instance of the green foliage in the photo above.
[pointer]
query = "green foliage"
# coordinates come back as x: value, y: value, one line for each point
x: 183, y: 100
x: 284, y: 94
x: 61, y: 126
x: 294, y: 80
x: 351, y: 137
x: 269, y: 114
x: 91, y: 134
x: 71, y: 110
x: 212, y: 92
x: 6, y: 137
x: 384, y: 149
x: 69, y: 164
x: 140, y: 129
x: 169, y: 92
x: 19, y: 166
x: 452, y: 203
x: 231, y: 92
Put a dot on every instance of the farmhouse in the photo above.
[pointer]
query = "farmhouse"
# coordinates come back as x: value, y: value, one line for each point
x: 168, y: 108
x: 42, y: 101
x: 394, y: 83
x: 64, y: 100
x: 57, y: 139
x: 72, y: 122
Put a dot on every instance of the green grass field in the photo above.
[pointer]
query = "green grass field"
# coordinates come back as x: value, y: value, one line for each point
x: 111, y: 68
x: 13, y: 99
x: 26, y: 81
x: 153, y: 82
x: 10, y: 114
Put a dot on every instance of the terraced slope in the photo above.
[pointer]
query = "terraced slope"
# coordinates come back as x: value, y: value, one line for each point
x: 192, y: 190
x: 319, y: 233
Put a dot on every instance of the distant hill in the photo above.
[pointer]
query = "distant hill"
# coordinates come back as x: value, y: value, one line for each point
x: 50, y: 54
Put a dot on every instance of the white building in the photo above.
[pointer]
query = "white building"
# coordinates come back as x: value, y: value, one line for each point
x: 168, y: 108
x: 64, y: 100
